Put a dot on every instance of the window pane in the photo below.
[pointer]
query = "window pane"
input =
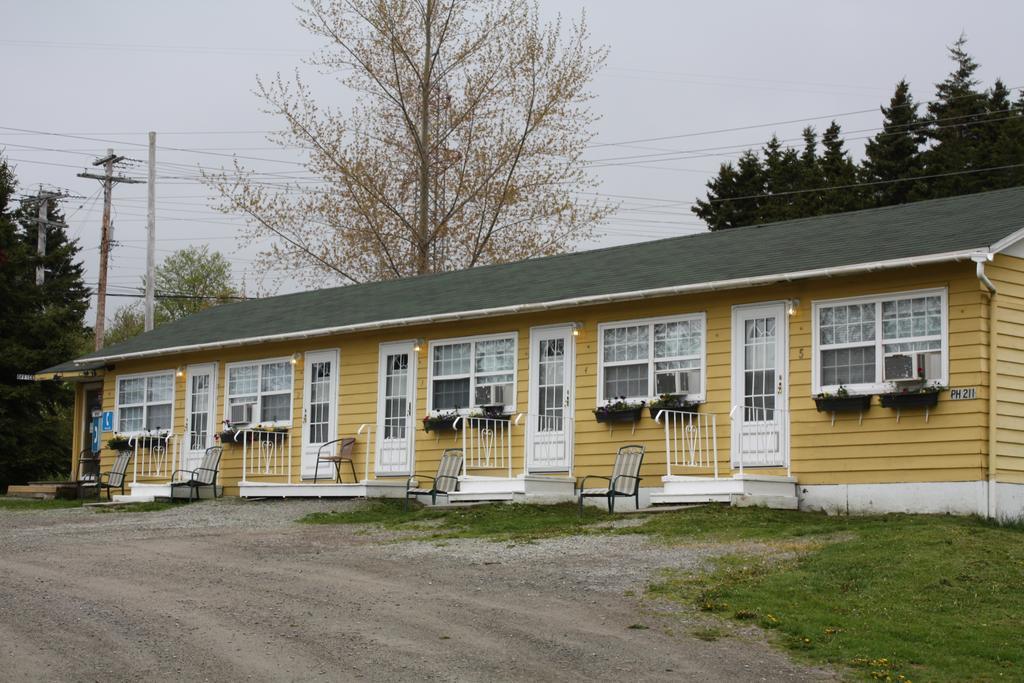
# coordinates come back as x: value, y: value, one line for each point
x: 913, y: 317
x: 130, y: 420
x: 846, y: 324
x: 626, y: 343
x: 275, y: 408
x: 848, y: 366
x: 626, y: 380
x: 159, y: 388
x: 452, y: 359
x: 495, y: 355
x: 276, y: 377
x: 669, y: 380
x: 682, y: 338
x: 450, y: 394
x: 131, y: 391
x: 243, y: 379
x: 158, y: 417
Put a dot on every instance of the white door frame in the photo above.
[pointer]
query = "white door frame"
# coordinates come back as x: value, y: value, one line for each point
x: 569, y: 400
x: 193, y: 457
x: 740, y: 314
x: 386, y: 349
x: 308, y: 452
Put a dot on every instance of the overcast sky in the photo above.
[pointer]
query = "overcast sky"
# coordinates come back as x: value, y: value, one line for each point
x: 186, y: 69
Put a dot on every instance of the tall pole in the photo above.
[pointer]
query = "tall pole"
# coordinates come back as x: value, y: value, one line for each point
x: 108, y: 179
x: 151, y: 233
x: 101, y: 290
x: 44, y: 205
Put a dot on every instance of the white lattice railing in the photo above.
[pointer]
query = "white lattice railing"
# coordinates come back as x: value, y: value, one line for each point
x: 153, y: 455
x: 760, y: 437
x: 691, y: 440
x: 265, y: 453
x: 486, y: 443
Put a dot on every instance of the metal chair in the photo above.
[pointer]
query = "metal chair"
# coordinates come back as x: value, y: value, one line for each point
x: 447, y: 471
x: 115, y: 478
x: 343, y: 453
x: 624, y: 482
x: 88, y: 471
x: 204, y: 475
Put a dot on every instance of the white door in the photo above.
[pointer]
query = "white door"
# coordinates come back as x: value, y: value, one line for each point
x: 201, y: 394
x: 760, y: 419
x: 319, y: 408
x: 550, y: 428
x: 396, y: 402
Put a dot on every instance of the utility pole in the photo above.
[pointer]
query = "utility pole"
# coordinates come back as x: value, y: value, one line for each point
x: 151, y: 234
x: 43, y: 222
x: 108, y: 179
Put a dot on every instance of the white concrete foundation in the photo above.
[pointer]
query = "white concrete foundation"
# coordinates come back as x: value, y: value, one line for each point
x: 957, y: 498
x: 1009, y: 502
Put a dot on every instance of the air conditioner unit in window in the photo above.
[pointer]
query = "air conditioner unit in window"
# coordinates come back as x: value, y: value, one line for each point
x: 241, y: 413
x: 678, y: 382
x: 491, y: 395
x: 918, y: 366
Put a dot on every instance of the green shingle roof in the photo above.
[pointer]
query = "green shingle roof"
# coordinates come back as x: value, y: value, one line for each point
x: 958, y: 224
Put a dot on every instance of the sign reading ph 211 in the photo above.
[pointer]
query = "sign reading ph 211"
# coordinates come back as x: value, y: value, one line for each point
x: 964, y: 394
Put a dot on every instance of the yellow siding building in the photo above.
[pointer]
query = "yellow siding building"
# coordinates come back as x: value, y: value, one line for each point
x: 869, y: 361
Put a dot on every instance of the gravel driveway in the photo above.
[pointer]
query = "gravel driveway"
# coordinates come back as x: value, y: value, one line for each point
x: 234, y: 590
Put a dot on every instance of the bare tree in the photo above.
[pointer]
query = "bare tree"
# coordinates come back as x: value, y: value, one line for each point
x: 464, y: 147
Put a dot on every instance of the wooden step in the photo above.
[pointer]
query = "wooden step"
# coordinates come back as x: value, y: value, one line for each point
x: 44, y: 490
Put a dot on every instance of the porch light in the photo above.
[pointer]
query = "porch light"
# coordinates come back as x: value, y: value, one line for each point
x: 576, y: 327
x: 180, y: 372
x: 418, y: 345
x: 793, y: 307
x: 296, y: 357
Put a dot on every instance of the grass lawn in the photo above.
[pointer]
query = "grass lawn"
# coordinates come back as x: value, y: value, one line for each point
x: 33, y: 504
x: 897, y: 597
x: 497, y: 522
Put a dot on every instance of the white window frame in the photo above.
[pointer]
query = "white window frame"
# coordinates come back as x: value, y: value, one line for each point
x: 651, y: 360
x: 878, y: 386
x: 258, y: 410
x: 514, y: 336
x: 144, y: 404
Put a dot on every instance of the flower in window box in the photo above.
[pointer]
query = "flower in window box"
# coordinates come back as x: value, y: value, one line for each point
x: 440, y: 421
x: 673, y: 402
x: 619, y: 410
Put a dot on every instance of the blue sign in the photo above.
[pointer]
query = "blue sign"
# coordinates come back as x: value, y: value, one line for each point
x: 108, y: 420
x: 95, y: 429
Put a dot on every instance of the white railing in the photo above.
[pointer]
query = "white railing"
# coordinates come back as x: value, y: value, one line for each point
x: 486, y: 443
x: 549, y: 442
x: 371, y: 445
x: 759, y: 437
x: 691, y: 440
x: 153, y: 455
x: 392, y: 448
x: 265, y: 453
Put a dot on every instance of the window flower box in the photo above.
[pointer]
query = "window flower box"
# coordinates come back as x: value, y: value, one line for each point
x: 256, y: 434
x: 492, y: 412
x: 119, y: 442
x: 672, y: 402
x: 441, y: 422
x: 926, y: 398
x: 842, y: 404
x: 619, y: 411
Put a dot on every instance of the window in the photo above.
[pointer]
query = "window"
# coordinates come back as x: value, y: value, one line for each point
x: 264, y: 385
x: 468, y: 373
x: 647, y: 358
x: 144, y: 402
x: 854, y: 337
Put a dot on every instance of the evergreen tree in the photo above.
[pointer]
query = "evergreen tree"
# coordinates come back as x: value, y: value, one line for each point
x: 40, y: 326
x: 734, y: 195
x: 1003, y: 138
x: 955, y: 125
x: 894, y: 153
x: 810, y: 174
x: 837, y: 171
x: 783, y: 179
